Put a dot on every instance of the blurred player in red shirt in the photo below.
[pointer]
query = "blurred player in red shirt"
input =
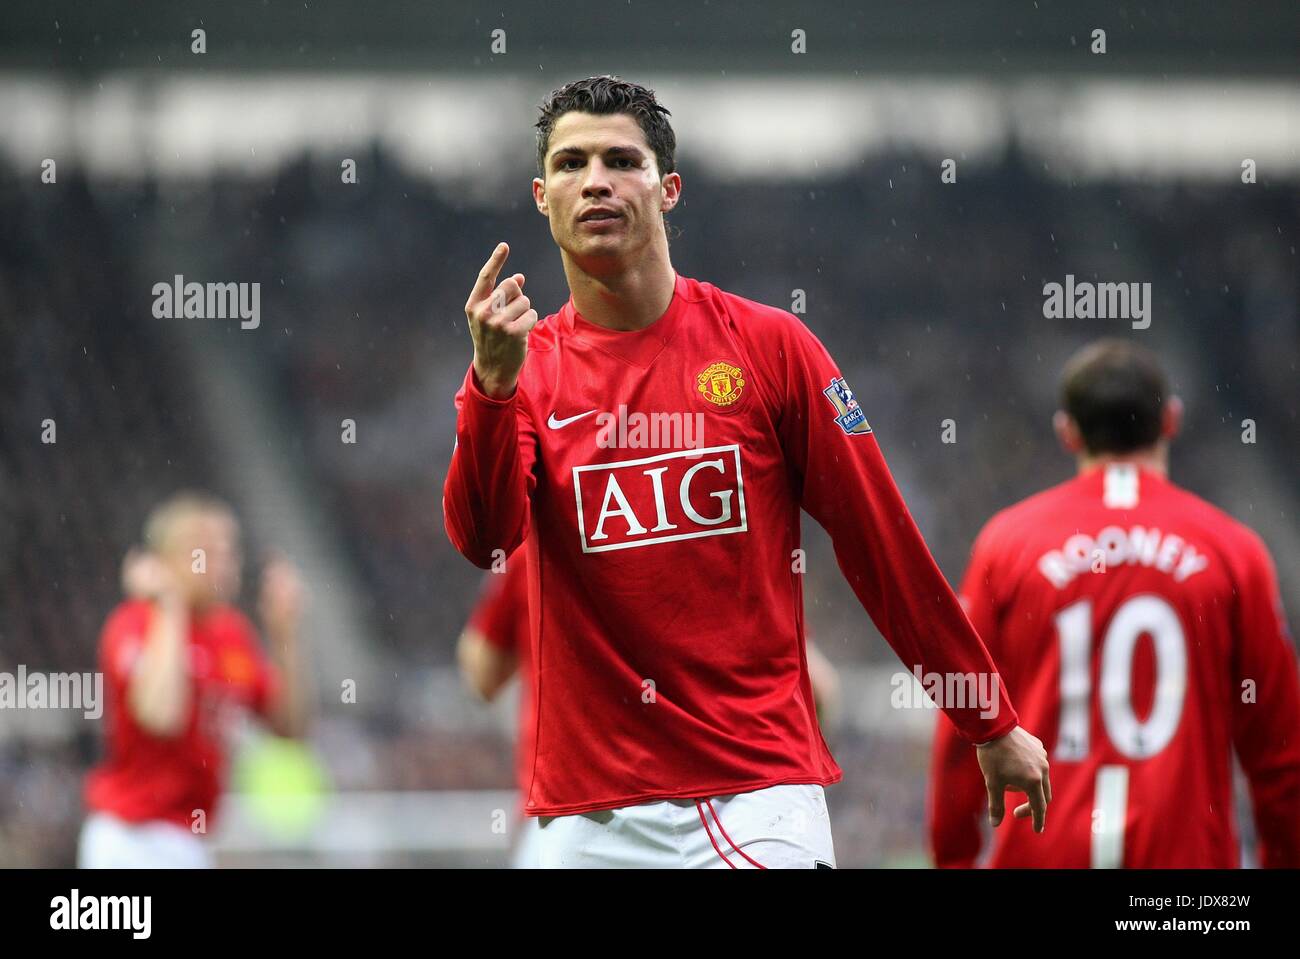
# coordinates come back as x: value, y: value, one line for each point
x: 1141, y: 632
x: 652, y: 443
x: 494, y: 647
x: 180, y: 664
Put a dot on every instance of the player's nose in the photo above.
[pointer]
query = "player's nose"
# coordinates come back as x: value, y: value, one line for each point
x: 597, y: 182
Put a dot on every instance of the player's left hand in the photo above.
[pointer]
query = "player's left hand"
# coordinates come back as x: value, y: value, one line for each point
x: 1016, y: 761
x: 281, y: 599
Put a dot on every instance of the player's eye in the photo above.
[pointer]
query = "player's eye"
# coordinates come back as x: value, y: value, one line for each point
x: 622, y: 163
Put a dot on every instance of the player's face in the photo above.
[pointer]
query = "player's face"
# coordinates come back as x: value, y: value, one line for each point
x: 602, y: 161
x: 213, y: 577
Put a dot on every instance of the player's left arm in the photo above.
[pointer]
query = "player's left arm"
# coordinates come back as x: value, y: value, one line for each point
x: 1266, y: 710
x: 843, y: 482
x: 485, y: 665
x: 282, y: 694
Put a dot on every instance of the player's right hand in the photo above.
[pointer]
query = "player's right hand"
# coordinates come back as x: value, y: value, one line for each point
x: 499, y: 321
x: 281, y: 599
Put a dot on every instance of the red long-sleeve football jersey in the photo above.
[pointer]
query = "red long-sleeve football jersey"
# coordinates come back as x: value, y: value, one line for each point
x: 657, y: 476
x: 1141, y: 633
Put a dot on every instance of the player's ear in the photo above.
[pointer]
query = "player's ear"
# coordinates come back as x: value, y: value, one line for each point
x: 1171, y: 417
x: 672, y: 185
x: 1067, y: 432
x: 539, y: 196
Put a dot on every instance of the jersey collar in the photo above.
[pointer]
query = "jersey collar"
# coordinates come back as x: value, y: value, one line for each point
x: 638, y: 347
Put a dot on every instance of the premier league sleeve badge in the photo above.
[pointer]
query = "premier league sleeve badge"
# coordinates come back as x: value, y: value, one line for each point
x: 849, y: 415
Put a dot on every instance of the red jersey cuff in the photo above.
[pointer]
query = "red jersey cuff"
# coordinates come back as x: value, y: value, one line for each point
x: 473, y: 388
x: 983, y: 738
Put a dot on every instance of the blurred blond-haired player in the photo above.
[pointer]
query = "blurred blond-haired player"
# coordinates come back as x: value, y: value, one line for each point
x: 181, y: 664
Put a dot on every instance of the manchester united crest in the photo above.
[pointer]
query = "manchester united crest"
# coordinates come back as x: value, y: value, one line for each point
x: 720, y: 383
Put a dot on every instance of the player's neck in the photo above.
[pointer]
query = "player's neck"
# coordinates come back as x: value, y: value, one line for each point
x: 1156, y: 460
x: 201, y: 607
x: 630, y: 299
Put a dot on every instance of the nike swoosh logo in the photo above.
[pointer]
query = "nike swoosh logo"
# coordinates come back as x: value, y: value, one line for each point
x: 555, y: 424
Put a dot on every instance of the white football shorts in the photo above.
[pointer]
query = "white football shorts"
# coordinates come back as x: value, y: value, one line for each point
x: 525, y: 854
x: 780, y: 827
x: 110, y: 843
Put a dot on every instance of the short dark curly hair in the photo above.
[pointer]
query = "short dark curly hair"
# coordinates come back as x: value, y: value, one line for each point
x: 606, y: 95
x: 1116, y: 392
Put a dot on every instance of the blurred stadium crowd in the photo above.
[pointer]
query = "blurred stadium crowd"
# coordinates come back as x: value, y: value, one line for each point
x: 929, y: 296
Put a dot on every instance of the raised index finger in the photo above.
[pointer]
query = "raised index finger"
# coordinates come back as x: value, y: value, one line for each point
x: 487, y: 277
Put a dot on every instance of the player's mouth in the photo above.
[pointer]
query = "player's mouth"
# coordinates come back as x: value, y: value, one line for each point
x: 599, y: 217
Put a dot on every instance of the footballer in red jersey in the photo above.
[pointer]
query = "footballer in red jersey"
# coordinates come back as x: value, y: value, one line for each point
x: 180, y: 664
x: 1141, y: 632
x: 652, y: 444
x: 493, y: 647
